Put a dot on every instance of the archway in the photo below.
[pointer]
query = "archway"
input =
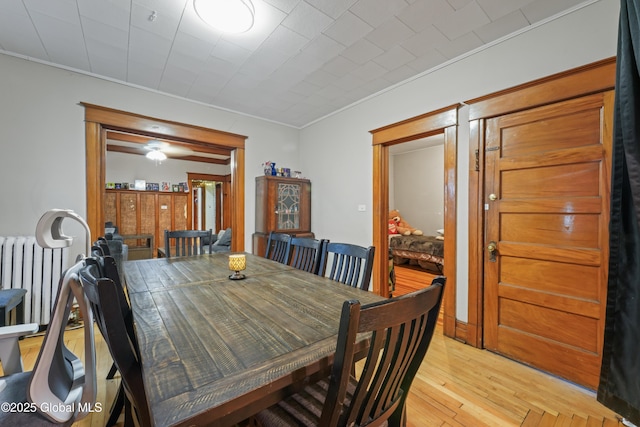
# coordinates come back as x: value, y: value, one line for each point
x: 98, y: 120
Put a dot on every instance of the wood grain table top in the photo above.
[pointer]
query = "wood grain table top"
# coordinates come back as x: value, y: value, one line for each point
x: 214, y: 351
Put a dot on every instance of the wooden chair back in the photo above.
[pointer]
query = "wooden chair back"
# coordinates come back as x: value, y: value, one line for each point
x: 401, y: 330
x: 187, y: 242
x: 101, y: 246
x: 306, y: 253
x: 114, y: 318
x: 350, y: 264
x: 278, y: 247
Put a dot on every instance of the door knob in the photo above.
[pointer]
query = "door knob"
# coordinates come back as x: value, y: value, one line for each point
x: 492, y: 248
x: 493, y: 197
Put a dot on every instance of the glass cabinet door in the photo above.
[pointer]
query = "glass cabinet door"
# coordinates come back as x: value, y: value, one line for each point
x: 288, y: 206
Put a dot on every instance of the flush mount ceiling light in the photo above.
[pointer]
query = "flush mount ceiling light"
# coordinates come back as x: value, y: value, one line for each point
x: 156, y: 155
x: 230, y: 16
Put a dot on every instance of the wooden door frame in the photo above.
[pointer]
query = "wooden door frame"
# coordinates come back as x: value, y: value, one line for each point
x: 592, y: 78
x: 443, y: 121
x: 100, y: 119
x: 191, y: 176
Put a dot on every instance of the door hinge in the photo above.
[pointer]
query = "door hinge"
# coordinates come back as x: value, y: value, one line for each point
x: 477, y: 160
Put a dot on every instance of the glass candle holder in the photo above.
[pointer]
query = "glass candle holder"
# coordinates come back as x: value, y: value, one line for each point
x: 237, y: 263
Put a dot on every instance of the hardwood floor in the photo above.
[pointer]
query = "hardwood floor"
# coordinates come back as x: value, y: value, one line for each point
x: 457, y: 386
x: 409, y: 279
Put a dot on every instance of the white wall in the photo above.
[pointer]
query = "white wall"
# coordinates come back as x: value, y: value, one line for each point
x: 42, y: 140
x: 418, y: 184
x: 336, y: 152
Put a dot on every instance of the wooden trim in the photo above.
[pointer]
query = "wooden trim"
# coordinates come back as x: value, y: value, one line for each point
x: 100, y: 119
x: 443, y: 121
x: 450, y: 172
x: 237, y: 202
x: 461, y: 331
x: 592, y: 78
x: 417, y: 127
x: 207, y: 177
x: 95, y: 176
x: 150, y: 126
x: 476, y: 228
x: 380, y: 219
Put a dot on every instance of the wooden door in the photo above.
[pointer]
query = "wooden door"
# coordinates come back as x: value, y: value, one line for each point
x: 547, y: 201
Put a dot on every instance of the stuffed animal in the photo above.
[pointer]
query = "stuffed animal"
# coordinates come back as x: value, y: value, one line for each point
x: 402, y: 226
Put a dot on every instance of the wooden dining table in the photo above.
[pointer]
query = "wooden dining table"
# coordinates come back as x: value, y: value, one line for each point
x: 215, y: 351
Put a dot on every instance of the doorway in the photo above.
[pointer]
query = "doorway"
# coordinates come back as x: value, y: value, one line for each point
x: 210, y: 205
x: 441, y: 122
x: 99, y: 120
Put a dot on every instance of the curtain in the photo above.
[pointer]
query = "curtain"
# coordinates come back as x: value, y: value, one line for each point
x: 619, y: 387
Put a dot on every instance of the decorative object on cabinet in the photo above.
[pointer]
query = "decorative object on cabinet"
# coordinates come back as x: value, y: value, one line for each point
x: 283, y: 205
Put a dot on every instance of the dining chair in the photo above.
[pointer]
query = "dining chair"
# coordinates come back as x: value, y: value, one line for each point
x: 278, y: 247
x: 350, y: 264
x: 306, y: 253
x: 400, y: 332
x: 61, y: 388
x: 110, y: 268
x: 187, y: 242
x: 114, y: 319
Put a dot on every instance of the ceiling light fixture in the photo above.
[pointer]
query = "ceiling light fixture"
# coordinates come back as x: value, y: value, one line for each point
x: 230, y: 16
x: 156, y: 155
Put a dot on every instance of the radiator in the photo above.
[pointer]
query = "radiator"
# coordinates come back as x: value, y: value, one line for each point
x: 24, y: 264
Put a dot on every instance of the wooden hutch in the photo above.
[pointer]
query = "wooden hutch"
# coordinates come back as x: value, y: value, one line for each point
x: 141, y: 214
x: 283, y: 205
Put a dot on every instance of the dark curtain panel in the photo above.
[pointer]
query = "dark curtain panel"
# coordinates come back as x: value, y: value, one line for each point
x: 619, y: 387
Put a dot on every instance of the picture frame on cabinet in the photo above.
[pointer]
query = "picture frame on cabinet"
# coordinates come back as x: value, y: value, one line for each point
x: 140, y: 185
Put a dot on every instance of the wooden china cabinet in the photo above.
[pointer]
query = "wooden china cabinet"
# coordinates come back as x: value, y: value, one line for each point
x: 146, y: 213
x: 283, y: 205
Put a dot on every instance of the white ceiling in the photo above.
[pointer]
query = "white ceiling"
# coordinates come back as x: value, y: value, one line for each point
x: 301, y: 61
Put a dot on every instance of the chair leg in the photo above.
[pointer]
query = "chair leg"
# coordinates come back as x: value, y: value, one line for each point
x: 112, y: 371
x: 116, y: 407
x: 128, y: 414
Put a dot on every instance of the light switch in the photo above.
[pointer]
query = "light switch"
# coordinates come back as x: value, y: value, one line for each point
x: 362, y: 208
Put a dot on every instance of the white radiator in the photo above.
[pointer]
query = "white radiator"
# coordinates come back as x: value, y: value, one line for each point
x: 24, y: 264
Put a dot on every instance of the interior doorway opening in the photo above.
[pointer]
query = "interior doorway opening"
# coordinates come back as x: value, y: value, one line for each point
x: 210, y: 204
x: 444, y: 122
x: 99, y: 120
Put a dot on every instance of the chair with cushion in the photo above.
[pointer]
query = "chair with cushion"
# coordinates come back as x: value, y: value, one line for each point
x: 401, y: 330
x: 187, y: 242
x: 115, y: 321
x: 221, y: 241
x: 306, y: 253
x: 349, y: 264
x: 278, y: 247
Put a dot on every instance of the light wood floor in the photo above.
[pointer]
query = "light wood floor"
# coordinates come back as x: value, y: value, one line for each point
x: 457, y: 385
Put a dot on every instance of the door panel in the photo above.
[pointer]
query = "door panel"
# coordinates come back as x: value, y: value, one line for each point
x: 551, y: 229
x: 547, y: 186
